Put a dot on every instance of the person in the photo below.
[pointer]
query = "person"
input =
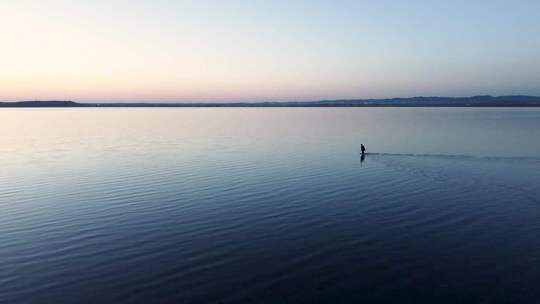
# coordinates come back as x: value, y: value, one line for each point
x: 362, y: 148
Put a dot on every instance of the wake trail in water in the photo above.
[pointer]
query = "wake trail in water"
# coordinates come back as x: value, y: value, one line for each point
x: 459, y: 156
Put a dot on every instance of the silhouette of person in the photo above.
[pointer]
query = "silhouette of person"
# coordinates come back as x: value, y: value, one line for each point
x: 362, y: 148
x: 362, y: 157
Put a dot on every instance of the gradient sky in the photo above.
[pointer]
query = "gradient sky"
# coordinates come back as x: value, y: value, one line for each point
x: 266, y: 50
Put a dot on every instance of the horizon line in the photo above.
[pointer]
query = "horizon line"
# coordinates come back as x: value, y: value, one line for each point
x: 255, y: 101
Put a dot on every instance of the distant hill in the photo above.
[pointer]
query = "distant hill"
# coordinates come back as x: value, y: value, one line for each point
x: 479, y: 101
x: 44, y: 103
x: 474, y: 101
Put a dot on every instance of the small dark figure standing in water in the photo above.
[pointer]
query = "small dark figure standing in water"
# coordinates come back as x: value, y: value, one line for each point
x: 363, y: 149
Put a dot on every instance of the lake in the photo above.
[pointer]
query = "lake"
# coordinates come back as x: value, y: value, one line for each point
x: 270, y: 205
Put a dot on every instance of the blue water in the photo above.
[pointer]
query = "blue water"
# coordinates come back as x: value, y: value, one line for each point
x: 270, y: 205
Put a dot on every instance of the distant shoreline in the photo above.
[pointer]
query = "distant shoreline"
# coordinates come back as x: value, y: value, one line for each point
x: 474, y: 101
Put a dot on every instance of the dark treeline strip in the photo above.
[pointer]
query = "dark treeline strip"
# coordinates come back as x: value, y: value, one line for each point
x: 474, y: 101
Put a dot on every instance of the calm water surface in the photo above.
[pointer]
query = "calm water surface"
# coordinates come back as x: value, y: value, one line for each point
x: 270, y: 205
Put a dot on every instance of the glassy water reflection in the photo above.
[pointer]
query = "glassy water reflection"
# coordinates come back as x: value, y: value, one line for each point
x: 270, y: 205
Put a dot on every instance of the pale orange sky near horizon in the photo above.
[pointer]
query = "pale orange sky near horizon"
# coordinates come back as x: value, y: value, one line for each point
x: 266, y: 50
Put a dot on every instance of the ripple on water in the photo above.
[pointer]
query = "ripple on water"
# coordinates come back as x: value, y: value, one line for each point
x: 265, y: 224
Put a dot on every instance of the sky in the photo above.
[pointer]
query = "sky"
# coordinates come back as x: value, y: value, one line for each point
x: 112, y: 50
